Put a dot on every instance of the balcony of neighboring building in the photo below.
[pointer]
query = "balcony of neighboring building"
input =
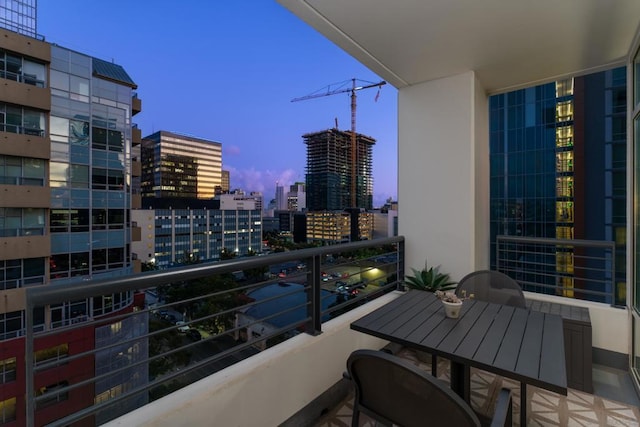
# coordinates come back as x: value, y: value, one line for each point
x: 20, y: 142
x: 27, y: 46
x: 136, y: 135
x: 136, y: 167
x: 24, y: 244
x: 136, y: 200
x: 136, y: 104
x: 136, y: 232
x: 23, y: 196
x: 137, y: 265
x: 14, y: 90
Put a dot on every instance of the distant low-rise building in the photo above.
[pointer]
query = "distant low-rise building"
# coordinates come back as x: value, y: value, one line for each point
x: 385, y: 220
x: 180, y: 230
x: 332, y: 227
x: 297, y: 197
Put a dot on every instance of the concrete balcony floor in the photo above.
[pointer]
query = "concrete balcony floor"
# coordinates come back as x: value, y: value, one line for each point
x: 614, y: 402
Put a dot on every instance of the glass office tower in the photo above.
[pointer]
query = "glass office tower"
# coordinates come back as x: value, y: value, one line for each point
x: 558, y: 169
x: 90, y: 167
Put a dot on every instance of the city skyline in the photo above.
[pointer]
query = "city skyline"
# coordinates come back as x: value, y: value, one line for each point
x: 255, y: 60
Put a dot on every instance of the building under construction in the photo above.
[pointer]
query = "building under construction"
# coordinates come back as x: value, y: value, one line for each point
x: 331, y: 175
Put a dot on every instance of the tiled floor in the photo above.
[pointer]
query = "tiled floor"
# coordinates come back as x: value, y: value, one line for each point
x: 614, y: 403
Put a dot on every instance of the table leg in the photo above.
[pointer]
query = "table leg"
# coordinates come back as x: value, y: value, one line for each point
x: 523, y: 404
x: 461, y: 380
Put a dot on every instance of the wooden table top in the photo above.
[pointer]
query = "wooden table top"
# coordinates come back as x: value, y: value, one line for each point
x: 527, y: 346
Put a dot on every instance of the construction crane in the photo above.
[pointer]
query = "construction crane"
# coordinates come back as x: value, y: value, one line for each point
x: 334, y: 89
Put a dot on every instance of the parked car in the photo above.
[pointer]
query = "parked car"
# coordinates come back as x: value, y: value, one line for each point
x: 346, y: 289
x: 359, y: 285
x: 182, y: 327
x: 194, y: 334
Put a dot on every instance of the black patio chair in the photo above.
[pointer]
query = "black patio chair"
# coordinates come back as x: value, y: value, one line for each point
x: 491, y: 286
x: 394, y: 391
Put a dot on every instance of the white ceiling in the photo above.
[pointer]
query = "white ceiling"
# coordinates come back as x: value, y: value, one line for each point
x: 509, y: 43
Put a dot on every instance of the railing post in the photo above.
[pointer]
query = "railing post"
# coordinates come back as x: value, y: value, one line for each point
x: 400, y: 266
x: 314, y: 326
x: 614, y: 293
x: 30, y: 409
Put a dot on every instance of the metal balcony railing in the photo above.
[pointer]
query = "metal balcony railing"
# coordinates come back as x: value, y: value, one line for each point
x: 20, y: 180
x: 197, y: 320
x: 22, y: 231
x: 22, y: 78
x: 573, y: 268
x: 25, y: 130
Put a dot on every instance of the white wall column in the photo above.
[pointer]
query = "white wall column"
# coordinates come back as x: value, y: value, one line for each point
x: 443, y: 174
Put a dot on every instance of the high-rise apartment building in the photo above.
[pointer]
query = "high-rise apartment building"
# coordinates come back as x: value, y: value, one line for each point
x: 66, y: 164
x: 329, y: 177
x: 558, y: 167
x: 175, y: 165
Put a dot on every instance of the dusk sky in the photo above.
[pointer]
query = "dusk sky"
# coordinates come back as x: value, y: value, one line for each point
x: 227, y: 71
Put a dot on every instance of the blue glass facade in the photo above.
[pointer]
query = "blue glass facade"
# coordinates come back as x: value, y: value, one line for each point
x: 558, y: 168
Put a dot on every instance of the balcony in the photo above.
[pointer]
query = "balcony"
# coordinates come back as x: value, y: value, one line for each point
x: 16, y: 141
x: 230, y: 345
x: 136, y: 104
x: 136, y: 232
x: 24, y: 195
x: 136, y: 167
x: 25, y: 243
x: 29, y: 95
x: 136, y: 135
x: 136, y: 201
x: 27, y: 46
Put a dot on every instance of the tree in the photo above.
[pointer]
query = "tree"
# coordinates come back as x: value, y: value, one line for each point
x: 255, y: 274
x: 226, y: 254
x: 148, y: 266
x: 189, y: 258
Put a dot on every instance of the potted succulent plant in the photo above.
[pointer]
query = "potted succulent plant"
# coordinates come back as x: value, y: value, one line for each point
x: 429, y: 279
x: 452, y: 304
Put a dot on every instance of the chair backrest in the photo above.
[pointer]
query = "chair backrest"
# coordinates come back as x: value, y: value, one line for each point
x: 392, y: 390
x: 491, y: 286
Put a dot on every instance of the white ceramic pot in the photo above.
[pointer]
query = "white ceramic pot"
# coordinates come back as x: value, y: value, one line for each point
x: 452, y: 309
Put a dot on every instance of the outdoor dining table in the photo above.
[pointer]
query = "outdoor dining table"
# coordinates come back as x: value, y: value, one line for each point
x: 527, y: 346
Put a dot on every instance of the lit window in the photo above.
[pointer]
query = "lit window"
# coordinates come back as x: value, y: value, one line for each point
x: 564, y: 233
x: 564, y: 136
x: 564, y: 88
x: 564, y: 262
x: 564, y: 111
x: 7, y: 370
x: 564, y: 161
x: 7, y: 410
x: 52, y: 353
x: 52, y: 393
x: 564, y: 211
x: 564, y: 186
